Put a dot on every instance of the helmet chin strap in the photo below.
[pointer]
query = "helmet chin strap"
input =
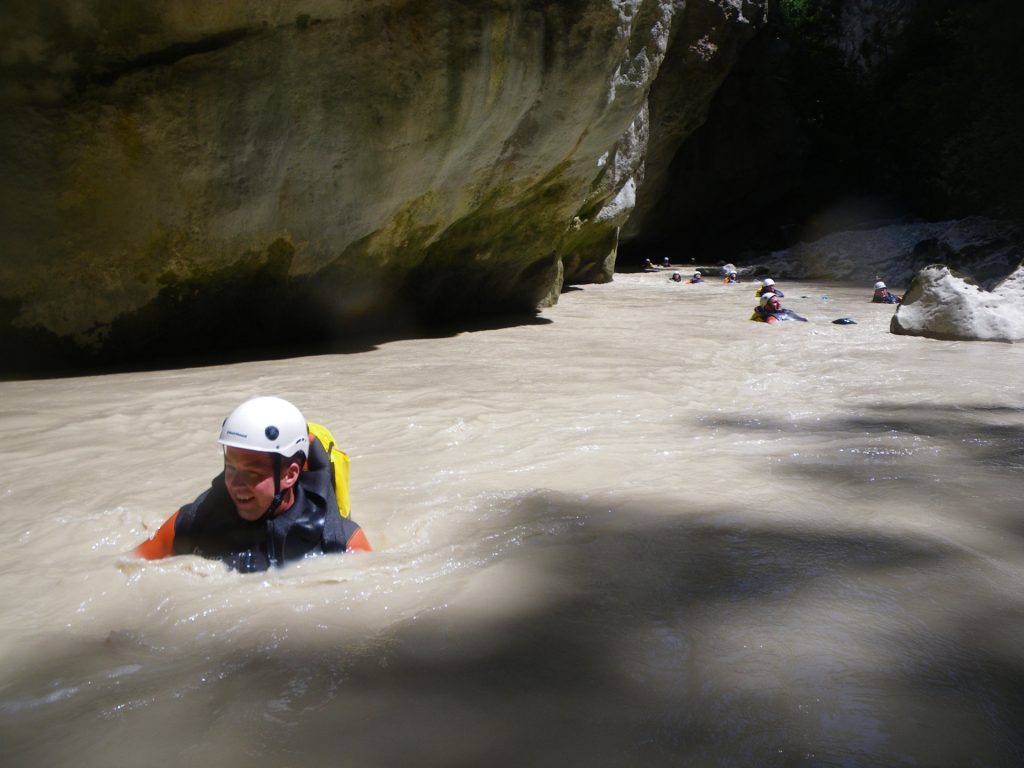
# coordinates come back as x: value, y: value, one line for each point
x: 276, y: 502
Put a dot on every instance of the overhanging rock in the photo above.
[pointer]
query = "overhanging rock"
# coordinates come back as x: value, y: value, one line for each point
x: 309, y: 166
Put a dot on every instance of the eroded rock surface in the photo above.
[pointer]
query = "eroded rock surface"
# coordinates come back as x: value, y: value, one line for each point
x: 942, y: 304
x: 172, y: 168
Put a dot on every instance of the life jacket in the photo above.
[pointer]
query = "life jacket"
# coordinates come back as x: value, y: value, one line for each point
x: 788, y: 314
x: 761, y: 315
x: 339, y: 464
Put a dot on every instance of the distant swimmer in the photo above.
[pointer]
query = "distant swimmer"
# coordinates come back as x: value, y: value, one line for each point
x: 677, y: 277
x: 769, y: 285
x: 882, y: 295
x: 647, y: 266
x: 276, y: 501
x: 665, y: 262
x: 769, y: 310
x: 696, y: 278
x: 732, y: 277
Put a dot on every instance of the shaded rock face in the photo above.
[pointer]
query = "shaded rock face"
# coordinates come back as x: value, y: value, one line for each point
x: 942, y: 304
x: 726, y: 165
x: 869, y: 31
x: 679, y: 187
x: 986, y: 249
x: 873, y: 109
x: 187, y: 172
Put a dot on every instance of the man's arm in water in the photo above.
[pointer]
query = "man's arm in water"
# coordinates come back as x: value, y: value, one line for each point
x: 160, y: 544
x: 358, y: 543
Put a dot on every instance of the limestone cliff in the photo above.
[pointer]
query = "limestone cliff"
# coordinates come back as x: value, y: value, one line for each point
x: 185, y: 172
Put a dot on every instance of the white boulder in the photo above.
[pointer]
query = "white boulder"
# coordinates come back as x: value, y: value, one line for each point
x: 941, y: 304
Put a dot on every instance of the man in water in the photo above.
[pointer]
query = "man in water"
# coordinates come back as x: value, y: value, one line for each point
x: 274, y: 502
x: 696, y: 278
x: 732, y: 277
x: 769, y: 285
x: 882, y: 295
x: 769, y: 310
x: 677, y: 277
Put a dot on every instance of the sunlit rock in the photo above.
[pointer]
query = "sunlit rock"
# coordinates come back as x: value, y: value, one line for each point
x: 224, y: 173
x: 942, y: 304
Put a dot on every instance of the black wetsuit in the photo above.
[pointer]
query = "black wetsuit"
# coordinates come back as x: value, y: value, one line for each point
x: 889, y: 298
x: 762, y: 314
x: 210, y: 525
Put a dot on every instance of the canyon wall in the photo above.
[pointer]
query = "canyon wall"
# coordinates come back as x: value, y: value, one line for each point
x: 188, y: 174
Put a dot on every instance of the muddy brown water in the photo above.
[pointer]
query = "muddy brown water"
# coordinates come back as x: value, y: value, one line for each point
x: 644, y: 531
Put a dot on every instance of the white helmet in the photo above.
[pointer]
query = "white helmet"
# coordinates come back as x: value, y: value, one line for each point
x: 768, y: 281
x: 267, y: 425
x: 765, y: 297
x: 696, y: 274
x: 879, y: 285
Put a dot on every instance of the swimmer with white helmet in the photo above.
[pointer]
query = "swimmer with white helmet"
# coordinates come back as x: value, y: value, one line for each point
x: 769, y: 285
x: 882, y: 295
x: 274, y: 502
x: 769, y: 310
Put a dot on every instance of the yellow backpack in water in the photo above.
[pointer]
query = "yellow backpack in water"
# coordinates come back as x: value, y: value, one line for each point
x: 339, y: 465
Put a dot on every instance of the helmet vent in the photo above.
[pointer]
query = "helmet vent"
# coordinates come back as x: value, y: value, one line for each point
x: 271, y: 432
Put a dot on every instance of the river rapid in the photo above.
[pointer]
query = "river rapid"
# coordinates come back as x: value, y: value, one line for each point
x: 641, y: 530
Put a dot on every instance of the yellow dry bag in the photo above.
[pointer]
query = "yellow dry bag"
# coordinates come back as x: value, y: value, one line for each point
x: 339, y: 465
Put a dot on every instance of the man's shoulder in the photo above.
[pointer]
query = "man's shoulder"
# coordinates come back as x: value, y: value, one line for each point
x: 338, y: 531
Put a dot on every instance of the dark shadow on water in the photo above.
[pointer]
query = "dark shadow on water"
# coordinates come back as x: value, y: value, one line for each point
x: 198, y: 353
x: 659, y: 637
x: 880, y: 470
x: 983, y: 443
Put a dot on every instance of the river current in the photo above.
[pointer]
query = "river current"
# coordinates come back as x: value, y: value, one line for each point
x: 640, y: 530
